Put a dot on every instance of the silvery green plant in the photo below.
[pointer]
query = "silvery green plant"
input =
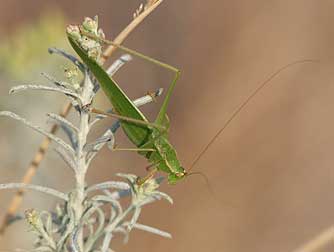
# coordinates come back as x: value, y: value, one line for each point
x: 88, y: 217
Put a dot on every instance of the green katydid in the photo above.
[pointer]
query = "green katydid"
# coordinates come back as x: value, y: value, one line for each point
x: 143, y: 135
x: 147, y: 135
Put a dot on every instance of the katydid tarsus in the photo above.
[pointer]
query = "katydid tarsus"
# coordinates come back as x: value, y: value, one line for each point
x: 147, y: 135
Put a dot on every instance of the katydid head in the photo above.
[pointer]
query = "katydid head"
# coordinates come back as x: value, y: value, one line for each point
x: 173, y: 178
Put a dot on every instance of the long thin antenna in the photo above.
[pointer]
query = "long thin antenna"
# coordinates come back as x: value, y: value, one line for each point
x: 237, y: 111
x: 207, y: 182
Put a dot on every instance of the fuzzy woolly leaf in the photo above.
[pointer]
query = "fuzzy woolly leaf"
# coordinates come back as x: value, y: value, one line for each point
x: 109, y: 184
x: 68, y: 159
x: 57, y: 83
x: 38, y: 129
x: 152, y: 230
x: 70, y: 57
x: 65, y: 91
x: 63, y: 121
x: 42, y: 189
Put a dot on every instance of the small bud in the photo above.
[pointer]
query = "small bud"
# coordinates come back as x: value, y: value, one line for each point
x: 101, y: 34
x: 90, y: 25
x: 72, y: 74
x: 59, y: 210
x: 96, y: 19
x: 88, y: 44
x: 33, y: 218
x: 95, y: 53
x: 150, y: 186
x: 92, y: 47
x: 141, y: 7
x: 74, y: 32
x: 145, y: 189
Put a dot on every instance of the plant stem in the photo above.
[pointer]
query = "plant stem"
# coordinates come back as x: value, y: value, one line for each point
x: 111, y: 227
x: 79, y: 195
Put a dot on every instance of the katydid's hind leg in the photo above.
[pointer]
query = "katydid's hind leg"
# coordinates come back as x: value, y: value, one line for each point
x: 166, y: 122
x: 130, y: 51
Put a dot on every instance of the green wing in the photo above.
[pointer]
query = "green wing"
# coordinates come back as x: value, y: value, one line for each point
x: 138, y: 134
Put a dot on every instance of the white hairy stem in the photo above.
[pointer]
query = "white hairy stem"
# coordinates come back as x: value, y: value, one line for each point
x: 109, y: 228
x: 81, y: 169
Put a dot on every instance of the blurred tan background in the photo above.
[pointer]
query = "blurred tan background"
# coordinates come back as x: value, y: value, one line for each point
x: 272, y: 169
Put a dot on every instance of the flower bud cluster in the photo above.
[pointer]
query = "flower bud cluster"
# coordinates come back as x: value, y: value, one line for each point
x: 88, y: 36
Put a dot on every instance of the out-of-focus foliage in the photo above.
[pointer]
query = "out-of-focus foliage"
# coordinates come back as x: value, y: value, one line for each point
x: 24, y: 50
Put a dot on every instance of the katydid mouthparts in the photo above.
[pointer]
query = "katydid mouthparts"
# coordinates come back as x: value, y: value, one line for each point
x: 151, y: 139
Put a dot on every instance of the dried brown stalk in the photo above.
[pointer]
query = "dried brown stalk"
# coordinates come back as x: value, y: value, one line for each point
x: 319, y: 242
x: 40, y: 154
x: 135, y: 22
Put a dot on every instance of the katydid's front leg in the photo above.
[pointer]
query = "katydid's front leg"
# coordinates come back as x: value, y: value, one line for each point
x: 149, y: 167
x: 141, y: 181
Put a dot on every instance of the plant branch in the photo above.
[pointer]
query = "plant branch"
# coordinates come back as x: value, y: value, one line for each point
x: 318, y: 242
x: 42, y: 189
x: 123, y: 35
